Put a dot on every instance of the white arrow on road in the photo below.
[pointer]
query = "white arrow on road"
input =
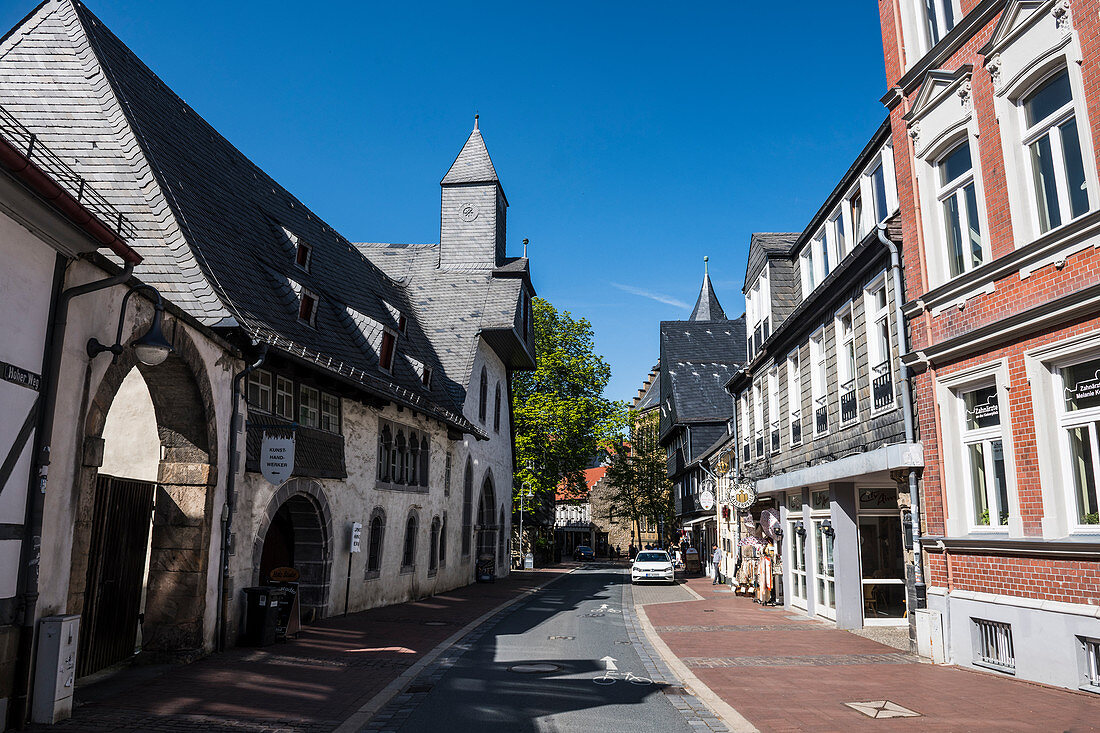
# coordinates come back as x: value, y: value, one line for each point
x: 610, y: 663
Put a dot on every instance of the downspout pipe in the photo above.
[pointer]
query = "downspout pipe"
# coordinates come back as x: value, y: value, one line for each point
x: 919, y: 588
x: 31, y: 552
x: 231, y: 500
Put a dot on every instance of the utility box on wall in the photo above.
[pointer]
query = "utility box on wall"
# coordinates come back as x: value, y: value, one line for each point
x: 930, y: 635
x: 55, y: 672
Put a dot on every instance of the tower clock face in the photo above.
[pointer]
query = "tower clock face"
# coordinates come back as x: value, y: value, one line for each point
x: 468, y: 211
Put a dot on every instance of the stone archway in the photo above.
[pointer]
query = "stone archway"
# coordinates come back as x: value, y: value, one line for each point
x: 183, y: 405
x: 296, y: 530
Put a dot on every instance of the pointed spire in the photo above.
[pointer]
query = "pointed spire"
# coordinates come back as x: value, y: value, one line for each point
x: 473, y: 164
x: 707, y: 307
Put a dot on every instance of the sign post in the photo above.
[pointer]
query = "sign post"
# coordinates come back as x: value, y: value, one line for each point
x: 354, y: 546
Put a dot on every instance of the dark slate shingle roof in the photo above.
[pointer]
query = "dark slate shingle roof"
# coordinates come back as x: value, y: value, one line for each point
x: 473, y: 164
x: 707, y: 307
x: 697, y: 359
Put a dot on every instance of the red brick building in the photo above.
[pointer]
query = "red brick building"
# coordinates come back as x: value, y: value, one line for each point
x: 995, y: 112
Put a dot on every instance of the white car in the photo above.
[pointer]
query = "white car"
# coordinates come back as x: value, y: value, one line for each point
x: 652, y: 565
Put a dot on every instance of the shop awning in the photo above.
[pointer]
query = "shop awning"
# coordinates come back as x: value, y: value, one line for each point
x: 690, y: 522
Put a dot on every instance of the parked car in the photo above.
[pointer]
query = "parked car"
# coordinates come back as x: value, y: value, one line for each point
x: 583, y: 552
x: 652, y: 565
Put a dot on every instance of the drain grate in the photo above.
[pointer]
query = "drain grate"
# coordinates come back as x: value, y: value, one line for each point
x: 414, y: 689
x: 436, y: 623
x: 622, y: 641
x: 561, y: 638
x: 675, y: 690
x: 880, y: 709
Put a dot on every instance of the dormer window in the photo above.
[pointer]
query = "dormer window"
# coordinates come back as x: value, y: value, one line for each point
x: 758, y: 312
x: 307, y: 307
x: 402, y: 323
x: 385, y: 354
x: 303, y: 255
x: 426, y: 378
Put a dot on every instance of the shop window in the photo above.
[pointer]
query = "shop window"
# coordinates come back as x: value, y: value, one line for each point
x: 330, y: 413
x: 259, y: 390
x: 284, y: 398
x: 309, y: 407
x: 983, y: 448
x: 1079, y: 423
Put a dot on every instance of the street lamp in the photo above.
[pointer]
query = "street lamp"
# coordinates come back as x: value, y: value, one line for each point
x: 150, y: 349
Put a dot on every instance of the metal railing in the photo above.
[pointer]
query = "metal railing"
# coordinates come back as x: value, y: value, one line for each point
x: 848, y: 409
x: 821, y: 416
x: 796, y: 427
x: 882, y: 387
x: 994, y: 648
x: 775, y: 437
x: 759, y: 443
x: 27, y: 143
x: 1092, y: 661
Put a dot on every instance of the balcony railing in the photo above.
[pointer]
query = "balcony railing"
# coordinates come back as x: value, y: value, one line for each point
x: 848, y: 410
x: 882, y: 386
x: 759, y: 443
x: 745, y: 453
x: 796, y: 427
x: 27, y: 143
x: 775, y: 437
x: 821, y: 417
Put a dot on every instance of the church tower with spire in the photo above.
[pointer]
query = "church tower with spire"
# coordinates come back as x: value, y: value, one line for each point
x: 707, y: 307
x: 473, y: 211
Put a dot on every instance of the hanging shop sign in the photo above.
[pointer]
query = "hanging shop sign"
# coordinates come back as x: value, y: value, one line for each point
x: 283, y: 575
x: 706, y: 500
x: 356, y: 536
x: 744, y: 495
x: 276, y: 458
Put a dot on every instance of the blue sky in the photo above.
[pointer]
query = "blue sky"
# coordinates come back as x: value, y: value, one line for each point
x: 631, y: 139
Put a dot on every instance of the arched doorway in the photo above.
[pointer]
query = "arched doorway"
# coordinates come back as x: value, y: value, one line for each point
x: 297, y: 533
x: 149, y: 434
x: 486, y: 520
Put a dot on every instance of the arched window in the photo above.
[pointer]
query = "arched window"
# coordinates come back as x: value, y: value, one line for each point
x: 393, y: 458
x: 486, y: 520
x: 496, y: 410
x: 414, y: 460
x: 467, y: 507
x: 433, y: 554
x: 374, y: 543
x: 483, y: 396
x: 443, y: 542
x: 401, y: 466
x: 385, y: 445
x: 425, y: 462
x: 500, y: 540
x: 408, y: 558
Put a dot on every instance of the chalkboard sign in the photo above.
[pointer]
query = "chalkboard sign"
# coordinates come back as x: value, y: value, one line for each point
x: 288, y: 619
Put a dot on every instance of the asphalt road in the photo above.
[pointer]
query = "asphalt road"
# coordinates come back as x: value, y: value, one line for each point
x: 596, y: 682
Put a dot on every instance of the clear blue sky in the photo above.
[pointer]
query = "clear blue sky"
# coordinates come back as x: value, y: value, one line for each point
x: 630, y: 138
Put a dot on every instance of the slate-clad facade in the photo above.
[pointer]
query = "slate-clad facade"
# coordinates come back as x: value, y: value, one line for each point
x: 821, y: 418
x: 698, y: 356
x: 390, y: 365
x: 997, y: 120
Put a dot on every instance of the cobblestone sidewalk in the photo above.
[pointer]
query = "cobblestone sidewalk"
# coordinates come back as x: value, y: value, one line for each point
x: 793, y: 673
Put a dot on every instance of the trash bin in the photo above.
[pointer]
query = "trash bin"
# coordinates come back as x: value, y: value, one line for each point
x: 261, y: 615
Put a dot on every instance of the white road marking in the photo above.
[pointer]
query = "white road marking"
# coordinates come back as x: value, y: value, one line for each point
x: 609, y: 662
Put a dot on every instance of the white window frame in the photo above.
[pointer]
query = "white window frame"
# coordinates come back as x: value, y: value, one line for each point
x: 262, y: 382
x: 915, y: 27
x: 746, y: 425
x: 955, y: 189
x: 879, y: 363
x: 760, y: 443
x: 985, y: 437
x: 284, y: 397
x: 855, y: 220
x: 1068, y: 420
x: 329, y: 413
x: 847, y: 372
x: 774, y: 434
x: 819, y: 379
x: 1021, y: 56
x: 794, y: 395
x: 956, y: 461
x: 807, y: 271
x: 1051, y: 126
x: 309, y: 409
x: 309, y: 318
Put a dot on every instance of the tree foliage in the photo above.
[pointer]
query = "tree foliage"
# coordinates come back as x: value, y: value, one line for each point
x: 561, y: 416
x: 638, y: 475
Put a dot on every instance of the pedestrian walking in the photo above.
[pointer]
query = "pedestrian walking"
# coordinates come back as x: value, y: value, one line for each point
x: 716, y: 560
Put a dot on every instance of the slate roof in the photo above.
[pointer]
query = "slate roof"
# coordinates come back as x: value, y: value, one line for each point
x: 707, y: 307
x: 697, y: 359
x: 651, y: 398
x: 473, y: 164
x: 764, y: 246
x: 219, y: 235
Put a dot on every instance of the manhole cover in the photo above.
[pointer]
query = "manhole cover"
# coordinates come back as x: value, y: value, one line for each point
x: 535, y: 668
x: 882, y: 709
x: 435, y: 623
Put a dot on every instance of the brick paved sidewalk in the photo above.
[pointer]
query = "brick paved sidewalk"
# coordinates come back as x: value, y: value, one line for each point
x: 785, y: 673
x: 311, y: 684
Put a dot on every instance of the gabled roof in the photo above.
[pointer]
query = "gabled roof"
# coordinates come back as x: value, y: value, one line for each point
x: 218, y: 234
x: 473, y: 164
x: 697, y: 359
x: 763, y: 246
x: 707, y: 307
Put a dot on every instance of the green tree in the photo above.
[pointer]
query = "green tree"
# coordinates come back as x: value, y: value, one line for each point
x: 561, y: 416
x: 638, y: 475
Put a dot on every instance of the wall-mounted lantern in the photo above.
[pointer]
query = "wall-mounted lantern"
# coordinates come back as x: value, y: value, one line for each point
x: 150, y: 349
x: 827, y: 529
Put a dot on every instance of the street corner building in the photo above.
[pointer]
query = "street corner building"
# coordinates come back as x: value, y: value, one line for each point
x: 995, y: 116
x: 824, y: 430
x: 387, y: 365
